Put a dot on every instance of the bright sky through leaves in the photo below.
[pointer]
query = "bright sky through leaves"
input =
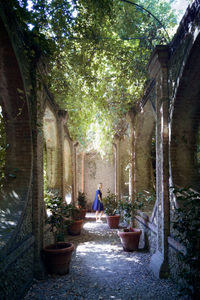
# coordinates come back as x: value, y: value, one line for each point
x: 99, y: 58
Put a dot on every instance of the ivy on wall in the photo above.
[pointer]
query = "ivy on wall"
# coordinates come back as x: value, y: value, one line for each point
x: 187, y: 228
x: 98, y: 54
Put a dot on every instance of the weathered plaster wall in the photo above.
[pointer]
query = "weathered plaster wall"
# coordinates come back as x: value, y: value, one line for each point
x: 148, y: 238
x: 91, y: 170
x: 50, y: 130
x: 124, y: 162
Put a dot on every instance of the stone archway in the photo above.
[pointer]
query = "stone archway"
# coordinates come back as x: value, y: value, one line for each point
x: 185, y: 124
x: 67, y: 171
x: 15, y: 201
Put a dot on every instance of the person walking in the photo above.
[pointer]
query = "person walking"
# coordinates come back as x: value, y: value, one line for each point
x: 98, y: 204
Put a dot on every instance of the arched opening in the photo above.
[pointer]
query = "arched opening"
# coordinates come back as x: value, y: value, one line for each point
x: 18, y: 155
x: 185, y: 124
x: 50, y: 153
x: 93, y: 169
x: 67, y: 171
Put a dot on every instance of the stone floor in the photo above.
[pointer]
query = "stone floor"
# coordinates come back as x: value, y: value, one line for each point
x: 100, y: 269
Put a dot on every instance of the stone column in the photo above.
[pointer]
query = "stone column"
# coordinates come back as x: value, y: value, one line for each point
x: 60, y: 150
x: 61, y: 136
x: 117, y: 168
x: 74, y: 172
x: 144, y: 130
x: 130, y: 119
x: 83, y: 172
x: 38, y: 187
x: 159, y: 70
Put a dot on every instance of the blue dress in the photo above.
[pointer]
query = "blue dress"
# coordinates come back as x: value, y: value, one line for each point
x: 97, y: 204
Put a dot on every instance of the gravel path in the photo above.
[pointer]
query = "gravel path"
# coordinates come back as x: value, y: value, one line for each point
x: 100, y: 269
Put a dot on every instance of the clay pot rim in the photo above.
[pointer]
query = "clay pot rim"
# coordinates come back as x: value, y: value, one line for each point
x: 51, y: 248
x: 77, y: 221
x: 113, y: 216
x: 136, y: 232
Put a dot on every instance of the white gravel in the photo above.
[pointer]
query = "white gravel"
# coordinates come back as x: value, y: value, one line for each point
x: 100, y: 269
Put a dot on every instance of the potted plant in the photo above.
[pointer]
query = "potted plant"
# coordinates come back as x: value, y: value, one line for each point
x: 111, y: 210
x: 76, y: 221
x: 129, y: 236
x: 82, y: 203
x: 57, y: 256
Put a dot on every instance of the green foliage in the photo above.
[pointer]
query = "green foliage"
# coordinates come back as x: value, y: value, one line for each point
x: 110, y: 203
x: 129, y: 207
x: 82, y: 200
x: 61, y: 214
x: 104, y: 68
x: 99, y: 51
x: 56, y: 206
x: 187, y: 228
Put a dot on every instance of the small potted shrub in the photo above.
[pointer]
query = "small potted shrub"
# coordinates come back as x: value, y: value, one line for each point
x: 57, y: 256
x: 129, y: 236
x: 111, y: 210
x: 186, y: 225
x: 76, y: 221
x: 82, y: 204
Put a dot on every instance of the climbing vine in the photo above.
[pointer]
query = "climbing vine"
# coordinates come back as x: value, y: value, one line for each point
x: 99, y: 53
x: 187, y: 228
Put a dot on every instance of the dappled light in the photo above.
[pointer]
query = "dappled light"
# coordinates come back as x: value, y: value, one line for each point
x: 99, y: 149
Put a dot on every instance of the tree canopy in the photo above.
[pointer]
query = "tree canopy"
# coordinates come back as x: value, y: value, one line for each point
x: 98, y: 54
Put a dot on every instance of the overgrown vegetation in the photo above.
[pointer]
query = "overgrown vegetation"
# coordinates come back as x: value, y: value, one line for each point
x: 61, y: 215
x: 187, y: 228
x: 82, y: 201
x: 99, y: 51
x: 110, y: 202
x: 129, y: 207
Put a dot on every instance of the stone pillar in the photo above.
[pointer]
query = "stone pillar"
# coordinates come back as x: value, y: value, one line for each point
x: 130, y: 118
x: 159, y: 70
x: 38, y: 188
x: 53, y: 139
x: 83, y: 172
x: 74, y: 173
x: 117, y: 168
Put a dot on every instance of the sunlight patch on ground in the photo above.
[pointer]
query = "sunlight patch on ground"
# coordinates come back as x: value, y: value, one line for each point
x: 106, y: 251
x: 91, y: 225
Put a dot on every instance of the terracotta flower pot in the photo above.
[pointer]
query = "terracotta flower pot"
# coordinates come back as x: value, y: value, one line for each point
x: 130, y: 240
x: 83, y: 213
x: 75, y: 228
x: 113, y: 221
x: 57, y: 257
